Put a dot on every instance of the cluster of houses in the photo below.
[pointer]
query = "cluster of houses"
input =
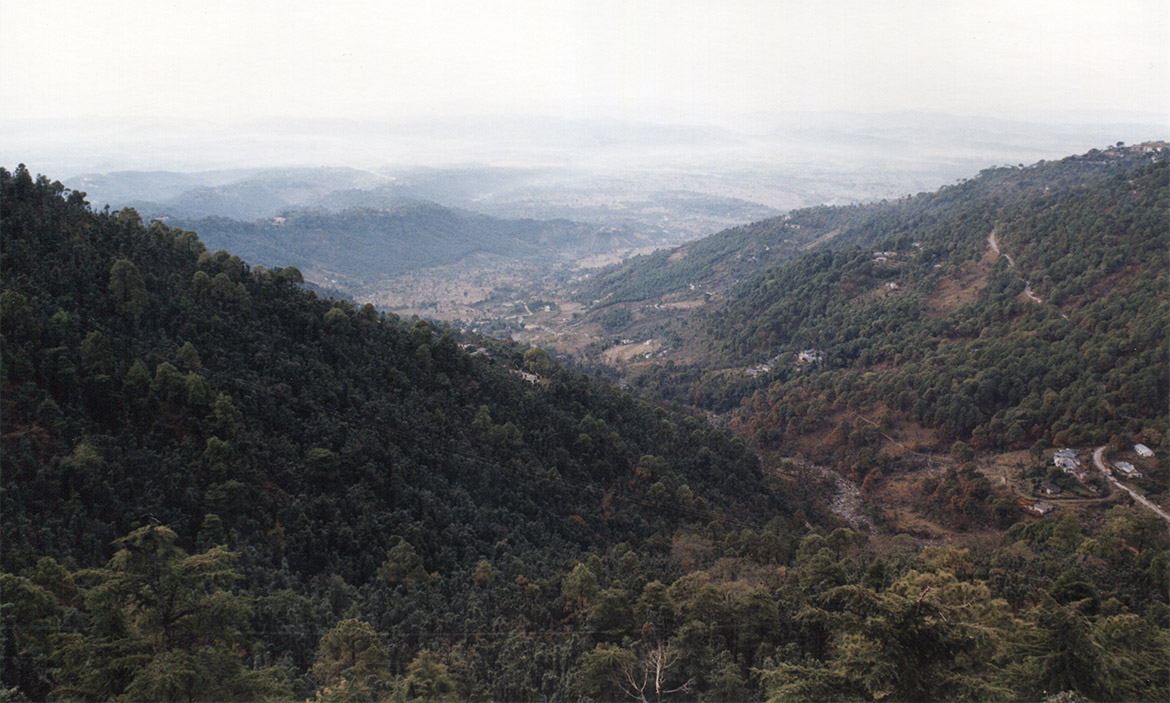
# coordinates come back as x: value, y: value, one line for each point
x: 766, y: 367
x: 810, y: 356
x: 803, y: 357
x: 1066, y: 460
x: 1127, y: 469
x: 1156, y: 148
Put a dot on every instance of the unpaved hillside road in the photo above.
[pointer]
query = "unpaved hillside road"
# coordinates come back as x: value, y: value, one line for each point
x: 993, y: 242
x: 1100, y: 462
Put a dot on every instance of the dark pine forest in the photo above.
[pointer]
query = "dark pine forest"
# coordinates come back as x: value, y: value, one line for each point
x: 218, y: 485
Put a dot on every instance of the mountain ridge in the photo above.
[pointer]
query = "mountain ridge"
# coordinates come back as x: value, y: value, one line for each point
x: 359, y: 247
x: 161, y: 395
x: 220, y: 485
x: 922, y: 264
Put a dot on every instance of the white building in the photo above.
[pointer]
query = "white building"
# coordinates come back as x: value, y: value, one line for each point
x: 1143, y: 450
x: 1041, y: 508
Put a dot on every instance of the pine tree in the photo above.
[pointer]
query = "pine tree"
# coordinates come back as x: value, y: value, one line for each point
x: 162, y: 626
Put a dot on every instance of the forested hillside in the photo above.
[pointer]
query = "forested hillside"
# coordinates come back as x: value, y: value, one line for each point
x: 1061, y: 339
x: 740, y: 254
x: 241, y: 194
x: 350, y: 460
x: 364, y: 245
x: 908, y: 306
x: 719, y: 260
x: 218, y: 486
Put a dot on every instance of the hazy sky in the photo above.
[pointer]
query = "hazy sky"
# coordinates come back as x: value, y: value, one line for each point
x: 677, y: 61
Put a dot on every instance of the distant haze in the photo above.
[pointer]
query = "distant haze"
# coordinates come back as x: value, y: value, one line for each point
x: 134, y: 84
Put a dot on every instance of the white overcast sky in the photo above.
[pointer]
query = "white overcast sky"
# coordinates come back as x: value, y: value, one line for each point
x: 670, y: 61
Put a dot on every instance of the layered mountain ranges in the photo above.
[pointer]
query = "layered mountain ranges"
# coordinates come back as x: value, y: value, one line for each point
x: 1023, y: 308
x: 647, y: 212
x: 822, y: 457
x: 368, y: 234
x: 877, y: 290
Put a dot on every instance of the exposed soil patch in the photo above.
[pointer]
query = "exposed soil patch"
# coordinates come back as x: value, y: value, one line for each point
x: 820, y: 240
x: 899, y: 497
x: 684, y: 304
x: 612, y: 257
x: 952, y: 293
x: 628, y: 352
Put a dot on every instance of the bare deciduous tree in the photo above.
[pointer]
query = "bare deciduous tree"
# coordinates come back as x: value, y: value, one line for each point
x: 644, y: 677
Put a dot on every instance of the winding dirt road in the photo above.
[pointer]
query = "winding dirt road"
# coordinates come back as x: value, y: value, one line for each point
x: 993, y: 242
x: 1099, y: 460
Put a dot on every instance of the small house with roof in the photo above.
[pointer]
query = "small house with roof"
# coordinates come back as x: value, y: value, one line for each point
x: 1143, y: 451
x: 1041, y: 508
x: 1066, y: 459
x: 1127, y: 469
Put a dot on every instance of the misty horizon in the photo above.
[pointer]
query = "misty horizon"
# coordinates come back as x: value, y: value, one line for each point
x: 131, y: 85
x: 65, y: 148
